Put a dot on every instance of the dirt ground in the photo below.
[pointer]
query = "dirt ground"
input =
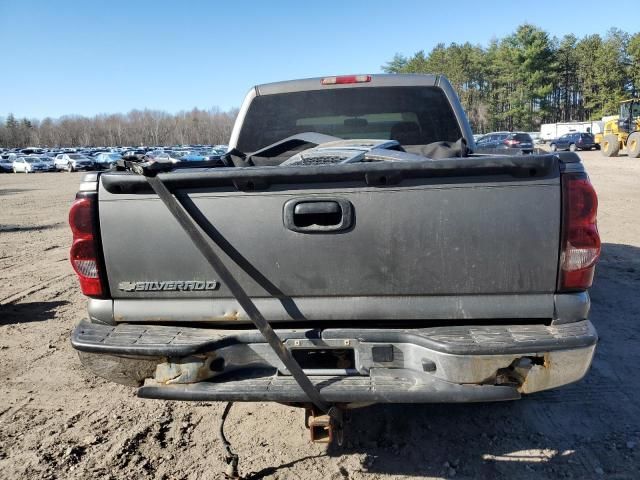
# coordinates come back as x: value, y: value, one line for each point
x: 59, y: 421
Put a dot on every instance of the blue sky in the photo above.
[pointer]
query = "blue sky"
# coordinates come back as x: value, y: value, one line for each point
x: 96, y: 56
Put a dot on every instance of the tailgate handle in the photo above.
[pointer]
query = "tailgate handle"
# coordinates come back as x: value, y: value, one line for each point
x: 316, y: 208
x: 318, y: 215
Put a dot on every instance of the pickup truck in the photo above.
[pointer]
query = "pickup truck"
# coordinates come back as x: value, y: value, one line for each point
x: 352, y: 219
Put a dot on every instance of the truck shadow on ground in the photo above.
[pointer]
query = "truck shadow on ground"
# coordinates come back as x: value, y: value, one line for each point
x: 28, y: 228
x: 266, y: 472
x: 11, y: 191
x: 584, y: 430
x: 29, y: 312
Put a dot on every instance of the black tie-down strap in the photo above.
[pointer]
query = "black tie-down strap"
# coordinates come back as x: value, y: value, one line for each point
x: 190, y: 227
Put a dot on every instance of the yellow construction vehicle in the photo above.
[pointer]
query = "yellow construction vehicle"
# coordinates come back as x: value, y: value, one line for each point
x: 623, y: 131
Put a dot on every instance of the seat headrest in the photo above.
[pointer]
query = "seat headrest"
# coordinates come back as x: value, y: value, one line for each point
x: 406, y: 133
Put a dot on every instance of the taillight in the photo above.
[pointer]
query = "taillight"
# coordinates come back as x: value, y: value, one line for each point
x: 340, y: 80
x: 580, y: 247
x: 83, y: 255
x: 510, y: 143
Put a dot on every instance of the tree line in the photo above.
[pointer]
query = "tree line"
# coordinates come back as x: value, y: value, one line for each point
x: 528, y: 78
x: 138, y: 127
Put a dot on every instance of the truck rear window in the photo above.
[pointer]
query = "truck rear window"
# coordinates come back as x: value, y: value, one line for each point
x: 522, y: 137
x: 410, y: 115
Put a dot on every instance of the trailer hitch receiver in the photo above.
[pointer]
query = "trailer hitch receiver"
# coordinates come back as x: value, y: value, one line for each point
x: 324, y: 427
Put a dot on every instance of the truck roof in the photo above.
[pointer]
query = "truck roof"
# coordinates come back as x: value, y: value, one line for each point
x: 378, y: 80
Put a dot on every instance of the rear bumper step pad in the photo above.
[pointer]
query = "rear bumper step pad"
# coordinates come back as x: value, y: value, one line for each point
x: 381, y: 386
x: 157, y: 340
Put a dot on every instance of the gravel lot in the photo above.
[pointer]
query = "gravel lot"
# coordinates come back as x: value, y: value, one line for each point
x: 58, y: 421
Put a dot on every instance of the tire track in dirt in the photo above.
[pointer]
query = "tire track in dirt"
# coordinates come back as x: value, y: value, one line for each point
x: 36, y: 288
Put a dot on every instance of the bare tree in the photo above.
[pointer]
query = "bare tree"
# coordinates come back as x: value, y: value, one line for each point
x: 138, y: 127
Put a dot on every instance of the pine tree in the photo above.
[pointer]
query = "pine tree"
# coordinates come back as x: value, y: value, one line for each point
x: 566, y: 93
x: 11, y: 125
x: 396, y: 65
x: 633, y: 50
x: 11, y: 122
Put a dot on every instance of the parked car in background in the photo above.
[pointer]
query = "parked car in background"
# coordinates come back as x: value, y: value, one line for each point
x: 175, y: 157
x: 195, y: 156
x: 210, y: 157
x: 6, y: 165
x: 48, y: 161
x: 137, y: 151
x: 505, y: 140
x: 219, y: 149
x: 574, y: 141
x: 32, y: 151
x: 106, y: 160
x: 491, y: 140
x: 10, y: 156
x: 29, y: 165
x: 72, y: 162
x: 519, y: 140
x: 536, y: 137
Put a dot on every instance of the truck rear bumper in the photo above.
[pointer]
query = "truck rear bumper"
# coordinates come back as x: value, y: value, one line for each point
x: 348, y: 365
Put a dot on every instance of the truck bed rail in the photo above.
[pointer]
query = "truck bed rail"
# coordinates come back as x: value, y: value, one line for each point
x: 372, y: 173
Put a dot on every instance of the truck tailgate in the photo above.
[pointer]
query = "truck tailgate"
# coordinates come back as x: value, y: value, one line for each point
x: 449, y: 247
